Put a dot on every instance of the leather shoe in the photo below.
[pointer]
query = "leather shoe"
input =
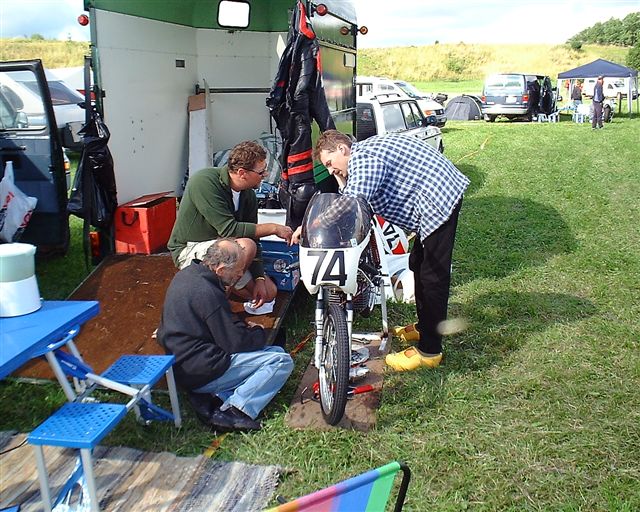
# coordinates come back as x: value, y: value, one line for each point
x: 232, y: 419
x: 203, y: 404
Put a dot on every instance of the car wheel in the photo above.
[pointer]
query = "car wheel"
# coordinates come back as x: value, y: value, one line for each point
x: 441, y: 147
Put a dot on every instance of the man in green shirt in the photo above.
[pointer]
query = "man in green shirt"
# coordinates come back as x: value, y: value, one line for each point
x: 220, y: 202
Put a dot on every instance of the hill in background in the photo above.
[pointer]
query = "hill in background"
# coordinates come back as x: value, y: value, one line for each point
x: 437, y: 62
x: 54, y: 54
x: 458, y: 62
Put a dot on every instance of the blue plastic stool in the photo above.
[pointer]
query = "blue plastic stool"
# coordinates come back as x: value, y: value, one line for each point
x: 140, y: 371
x: 75, y: 425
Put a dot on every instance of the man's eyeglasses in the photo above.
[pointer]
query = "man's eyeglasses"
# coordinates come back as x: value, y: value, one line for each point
x: 259, y: 173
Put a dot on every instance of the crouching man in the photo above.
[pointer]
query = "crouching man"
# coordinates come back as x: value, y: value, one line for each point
x: 219, y: 359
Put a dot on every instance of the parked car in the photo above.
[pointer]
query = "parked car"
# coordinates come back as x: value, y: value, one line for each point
x: 517, y: 95
x: 390, y: 113
x: 29, y: 138
x: 427, y: 103
x: 368, y: 86
x: 67, y: 106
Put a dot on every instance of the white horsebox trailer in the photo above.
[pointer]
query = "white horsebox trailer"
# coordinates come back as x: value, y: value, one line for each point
x: 149, y: 57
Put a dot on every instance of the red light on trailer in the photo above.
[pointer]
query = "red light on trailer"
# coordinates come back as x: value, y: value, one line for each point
x: 83, y: 19
x: 344, y: 31
x: 363, y: 30
x: 321, y: 9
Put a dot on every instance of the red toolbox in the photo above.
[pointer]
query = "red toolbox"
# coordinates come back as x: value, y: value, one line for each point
x: 143, y: 226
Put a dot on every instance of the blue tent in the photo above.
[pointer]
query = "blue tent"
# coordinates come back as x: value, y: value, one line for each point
x: 601, y: 67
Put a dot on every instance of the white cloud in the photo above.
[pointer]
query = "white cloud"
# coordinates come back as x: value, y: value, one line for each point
x: 419, y: 22
x: 390, y: 22
x: 52, y: 19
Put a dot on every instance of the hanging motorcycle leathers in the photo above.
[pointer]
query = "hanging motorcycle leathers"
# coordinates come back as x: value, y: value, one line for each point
x: 296, y: 98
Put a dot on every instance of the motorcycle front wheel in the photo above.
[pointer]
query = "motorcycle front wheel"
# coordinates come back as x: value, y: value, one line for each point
x: 333, y: 374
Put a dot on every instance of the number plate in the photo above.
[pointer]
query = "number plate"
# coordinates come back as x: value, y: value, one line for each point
x: 511, y: 99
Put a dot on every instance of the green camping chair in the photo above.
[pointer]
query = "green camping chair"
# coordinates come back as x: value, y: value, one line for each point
x: 368, y: 492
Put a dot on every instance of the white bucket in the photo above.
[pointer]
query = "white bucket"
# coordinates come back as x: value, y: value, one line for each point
x: 19, y: 292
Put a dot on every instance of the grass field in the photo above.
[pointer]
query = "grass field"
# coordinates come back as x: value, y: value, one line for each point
x: 536, y: 406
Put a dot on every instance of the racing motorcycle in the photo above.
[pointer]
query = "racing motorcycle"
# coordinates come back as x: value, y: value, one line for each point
x: 341, y: 248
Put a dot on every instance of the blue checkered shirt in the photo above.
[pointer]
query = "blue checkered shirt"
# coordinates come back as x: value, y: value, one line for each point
x: 406, y: 181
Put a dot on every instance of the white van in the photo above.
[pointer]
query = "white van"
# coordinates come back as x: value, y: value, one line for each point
x: 390, y: 113
x: 611, y: 86
x: 368, y: 86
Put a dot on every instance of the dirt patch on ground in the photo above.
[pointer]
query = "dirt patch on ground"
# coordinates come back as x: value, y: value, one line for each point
x: 131, y: 290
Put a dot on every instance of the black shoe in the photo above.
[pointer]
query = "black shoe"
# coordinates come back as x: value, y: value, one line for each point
x: 203, y: 404
x: 232, y: 419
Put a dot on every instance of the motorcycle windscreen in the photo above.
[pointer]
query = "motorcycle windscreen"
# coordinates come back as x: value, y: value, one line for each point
x: 335, y: 221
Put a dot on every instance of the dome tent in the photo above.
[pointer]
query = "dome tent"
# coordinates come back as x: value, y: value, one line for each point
x: 605, y: 68
x: 464, y: 108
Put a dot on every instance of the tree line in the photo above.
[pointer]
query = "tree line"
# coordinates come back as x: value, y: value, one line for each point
x: 625, y: 32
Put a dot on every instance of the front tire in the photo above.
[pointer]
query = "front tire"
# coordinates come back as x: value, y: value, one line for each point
x: 333, y: 374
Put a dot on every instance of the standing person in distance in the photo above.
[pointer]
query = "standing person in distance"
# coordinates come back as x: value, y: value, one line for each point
x: 598, y: 99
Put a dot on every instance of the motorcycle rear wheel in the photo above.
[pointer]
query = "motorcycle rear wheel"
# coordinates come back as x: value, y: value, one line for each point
x: 333, y: 374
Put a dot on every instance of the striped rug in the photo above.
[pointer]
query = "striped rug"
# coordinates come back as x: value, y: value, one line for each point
x: 133, y: 480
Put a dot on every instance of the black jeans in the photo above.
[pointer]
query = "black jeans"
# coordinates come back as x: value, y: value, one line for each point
x: 596, y: 122
x: 430, y: 261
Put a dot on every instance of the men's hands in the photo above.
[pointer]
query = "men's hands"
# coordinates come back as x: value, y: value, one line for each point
x: 254, y: 324
x: 295, y: 237
x: 283, y: 232
x: 259, y: 293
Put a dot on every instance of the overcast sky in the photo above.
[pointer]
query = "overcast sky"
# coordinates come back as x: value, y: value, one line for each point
x: 390, y: 22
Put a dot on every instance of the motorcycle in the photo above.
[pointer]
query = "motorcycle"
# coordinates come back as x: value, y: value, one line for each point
x: 341, y: 248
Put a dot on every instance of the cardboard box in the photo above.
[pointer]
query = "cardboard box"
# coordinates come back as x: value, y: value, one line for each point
x: 281, y: 263
x: 143, y: 226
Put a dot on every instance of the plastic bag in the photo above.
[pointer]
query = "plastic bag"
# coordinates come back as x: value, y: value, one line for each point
x: 94, y: 195
x: 16, y: 209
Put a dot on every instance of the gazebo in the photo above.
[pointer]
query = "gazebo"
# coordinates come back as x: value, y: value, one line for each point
x: 607, y: 69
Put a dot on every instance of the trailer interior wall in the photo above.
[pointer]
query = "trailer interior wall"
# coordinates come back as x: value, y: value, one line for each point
x: 146, y: 99
x: 234, y: 60
x: 146, y: 94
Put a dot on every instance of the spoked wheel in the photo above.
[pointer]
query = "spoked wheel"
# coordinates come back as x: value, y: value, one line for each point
x: 333, y: 373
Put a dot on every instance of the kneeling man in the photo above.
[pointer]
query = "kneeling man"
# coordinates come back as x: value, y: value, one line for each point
x: 217, y: 356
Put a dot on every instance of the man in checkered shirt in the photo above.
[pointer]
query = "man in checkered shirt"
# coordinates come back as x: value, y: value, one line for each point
x: 413, y: 186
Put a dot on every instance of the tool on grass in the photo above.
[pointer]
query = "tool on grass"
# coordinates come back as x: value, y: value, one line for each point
x: 301, y: 345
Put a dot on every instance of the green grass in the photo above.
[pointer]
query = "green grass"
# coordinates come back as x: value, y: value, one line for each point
x: 451, y: 88
x: 536, y: 406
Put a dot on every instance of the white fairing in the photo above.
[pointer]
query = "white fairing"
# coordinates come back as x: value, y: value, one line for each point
x: 331, y: 267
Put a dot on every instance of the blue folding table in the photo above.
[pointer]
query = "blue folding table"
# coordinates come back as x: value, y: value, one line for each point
x: 24, y: 337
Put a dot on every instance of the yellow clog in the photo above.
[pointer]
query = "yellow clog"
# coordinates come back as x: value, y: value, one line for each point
x: 411, y: 359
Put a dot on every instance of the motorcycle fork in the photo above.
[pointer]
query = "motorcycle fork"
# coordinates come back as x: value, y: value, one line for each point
x: 319, y: 320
